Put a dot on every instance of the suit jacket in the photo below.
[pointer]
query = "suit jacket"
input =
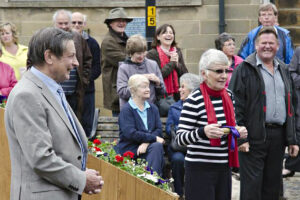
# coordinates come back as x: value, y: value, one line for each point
x: 45, y: 154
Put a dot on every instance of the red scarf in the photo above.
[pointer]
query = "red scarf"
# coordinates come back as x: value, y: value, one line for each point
x: 212, y: 119
x: 171, y: 81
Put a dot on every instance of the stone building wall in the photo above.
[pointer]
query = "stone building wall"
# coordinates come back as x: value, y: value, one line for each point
x: 195, y: 21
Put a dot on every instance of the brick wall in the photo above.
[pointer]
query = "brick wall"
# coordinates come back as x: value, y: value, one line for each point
x: 195, y: 22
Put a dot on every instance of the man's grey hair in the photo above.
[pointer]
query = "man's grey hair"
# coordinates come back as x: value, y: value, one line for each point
x: 212, y: 57
x: 192, y: 81
x: 53, y: 39
x: 62, y: 11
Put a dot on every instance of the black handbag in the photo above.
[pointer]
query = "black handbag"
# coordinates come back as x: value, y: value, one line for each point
x: 164, y: 104
x: 174, y: 145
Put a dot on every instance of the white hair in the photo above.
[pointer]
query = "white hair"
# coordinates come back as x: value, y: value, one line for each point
x: 134, y: 82
x: 192, y: 81
x: 212, y: 57
x: 62, y: 11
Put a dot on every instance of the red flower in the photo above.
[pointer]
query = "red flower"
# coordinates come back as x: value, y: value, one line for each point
x: 97, y: 149
x: 128, y: 154
x: 97, y: 141
x: 119, y: 158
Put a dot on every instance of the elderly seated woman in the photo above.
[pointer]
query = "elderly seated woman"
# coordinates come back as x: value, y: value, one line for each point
x: 188, y: 83
x: 140, y: 125
x: 136, y: 63
x: 211, y: 149
x: 8, y: 79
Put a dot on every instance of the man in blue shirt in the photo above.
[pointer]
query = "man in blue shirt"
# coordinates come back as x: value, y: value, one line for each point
x: 48, y: 147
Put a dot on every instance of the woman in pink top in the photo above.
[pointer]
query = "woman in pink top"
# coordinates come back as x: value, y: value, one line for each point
x: 8, y: 79
x: 226, y: 43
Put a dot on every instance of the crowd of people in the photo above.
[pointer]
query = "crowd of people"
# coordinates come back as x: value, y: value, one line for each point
x: 239, y: 112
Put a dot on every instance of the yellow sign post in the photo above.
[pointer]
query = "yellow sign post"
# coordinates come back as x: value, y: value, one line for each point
x: 151, y: 20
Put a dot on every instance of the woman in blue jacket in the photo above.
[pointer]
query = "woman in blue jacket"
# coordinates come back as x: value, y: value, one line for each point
x: 140, y: 125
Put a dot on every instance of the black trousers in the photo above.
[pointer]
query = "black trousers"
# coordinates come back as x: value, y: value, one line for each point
x: 88, y: 112
x: 72, y: 100
x: 209, y: 184
x: 260, y: 168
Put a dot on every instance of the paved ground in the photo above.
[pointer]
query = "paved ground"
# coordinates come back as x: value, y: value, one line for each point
x: 291, y: 188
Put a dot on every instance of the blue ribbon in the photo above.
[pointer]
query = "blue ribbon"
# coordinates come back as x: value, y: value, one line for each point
x: 234, y: 134
x: 2, y: 98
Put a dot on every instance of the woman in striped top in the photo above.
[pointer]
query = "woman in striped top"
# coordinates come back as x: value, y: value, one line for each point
x: 211, y: 152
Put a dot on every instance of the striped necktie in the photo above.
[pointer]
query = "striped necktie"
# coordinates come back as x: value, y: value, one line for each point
x: 68, y: 113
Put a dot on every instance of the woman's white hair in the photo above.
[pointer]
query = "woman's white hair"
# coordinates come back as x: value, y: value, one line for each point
x: 212, y: 57
x: 192, y: 81
x: 136, y: 80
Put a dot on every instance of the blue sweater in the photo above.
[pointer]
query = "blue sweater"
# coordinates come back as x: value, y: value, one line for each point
x: 286, y: 49
x: 173, y: 116
x: 132, y: 129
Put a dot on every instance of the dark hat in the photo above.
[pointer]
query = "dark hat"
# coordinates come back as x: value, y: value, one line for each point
x: 117, y: 13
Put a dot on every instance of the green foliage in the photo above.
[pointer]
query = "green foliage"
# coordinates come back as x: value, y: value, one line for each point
x: 136, y: 167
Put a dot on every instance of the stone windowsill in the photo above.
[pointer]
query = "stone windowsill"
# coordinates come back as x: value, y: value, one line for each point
x: 94, y: 3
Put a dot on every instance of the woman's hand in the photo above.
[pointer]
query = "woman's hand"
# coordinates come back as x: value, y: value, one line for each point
x: 213, y: 131
x: 153, y: 77
x: 160, y: 140
x: 243, y: 131
x: 174, y: 57
x: 142, y: 148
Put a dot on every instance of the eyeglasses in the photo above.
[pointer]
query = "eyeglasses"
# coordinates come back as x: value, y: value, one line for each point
x: 220, y: 71
x: 77, y: 22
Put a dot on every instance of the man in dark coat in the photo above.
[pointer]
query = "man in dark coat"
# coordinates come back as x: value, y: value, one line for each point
x: 112, y: 52
x: 264, y: 104
x: 78, y: 24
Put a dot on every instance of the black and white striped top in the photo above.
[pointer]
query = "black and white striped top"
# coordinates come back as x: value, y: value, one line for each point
x: 191, y: 131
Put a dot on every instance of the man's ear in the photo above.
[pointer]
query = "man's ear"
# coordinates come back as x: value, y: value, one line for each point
x: 48, y: 57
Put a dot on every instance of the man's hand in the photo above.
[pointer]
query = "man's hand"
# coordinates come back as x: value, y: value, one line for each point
x: 244, y: 147
x: 293, y: 150
x: 94, y: 182
x: 142, y: 148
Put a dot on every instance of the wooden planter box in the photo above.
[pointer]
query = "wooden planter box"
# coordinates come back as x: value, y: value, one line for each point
x: 118, y: 184
x: 4, y: 160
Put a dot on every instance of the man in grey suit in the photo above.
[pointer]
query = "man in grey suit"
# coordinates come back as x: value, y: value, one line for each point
x: 48, y: 147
